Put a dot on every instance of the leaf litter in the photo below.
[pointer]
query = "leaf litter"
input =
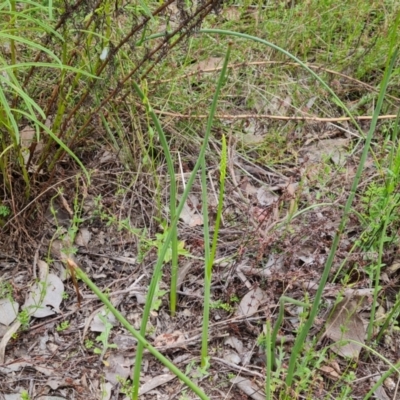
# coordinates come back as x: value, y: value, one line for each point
x: 345, y: 327
x: 297, y: 262
x: 271, y: 261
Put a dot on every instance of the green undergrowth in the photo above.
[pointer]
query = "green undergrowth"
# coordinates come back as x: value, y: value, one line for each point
x: 338, y: 40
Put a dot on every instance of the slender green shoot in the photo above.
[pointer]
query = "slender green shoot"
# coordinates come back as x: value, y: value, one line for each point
x: 172, y: 201
x: 391, y: 198
x: 210, y: 257
x: 299, y: 342
x: 164, y: 249
x: 268, y: 356
x: 282, y: 301
x: 137, y: 335
x: 393, y: 369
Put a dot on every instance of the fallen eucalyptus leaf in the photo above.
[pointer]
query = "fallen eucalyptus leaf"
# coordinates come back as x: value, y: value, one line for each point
x: 155, y: 382
x: 8, y: 311
x: 249, y: 387
x: 5, y: 339
x: 251, y: 302
x: 189, y: 215
x: 344, y: 324
x: 83, y: 237
x: 45, y: 297
x: 118, y: 367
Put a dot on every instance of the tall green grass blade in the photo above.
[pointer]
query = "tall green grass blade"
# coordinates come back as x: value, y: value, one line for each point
x: 303, y: 334
x: 50, y: 10
x: 394, y: 369
x: 268, y: 361
x: 7, y: 113
x: 146, y: 9
x: 299, y: 342
x: 29, y: 102
x: 391, y: 203
x: 24, y: 17
x: 172, y: 204
x: 391, y: 187
x: 30, y: 44
x: 222, y: 171
x: 163, y: 251
x: 207, y: 260
x: 49, y: 65
x: 139, y: 337
x: 209, y: 257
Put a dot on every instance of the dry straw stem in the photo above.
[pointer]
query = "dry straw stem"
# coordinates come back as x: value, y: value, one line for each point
x: 275, y: 117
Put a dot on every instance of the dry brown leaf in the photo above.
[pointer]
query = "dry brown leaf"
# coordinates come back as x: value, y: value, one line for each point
x: 335, y: 149
x: 54, y: 398
x: 169, y: 339
x: 251, y: 302
x: 252, y: 132
x: 65, y: 204
x: 343, y: 324
x: 83, y: 237
x: 155, y: 382
x: 107, y: 157
x: 394, y: 267
x: 235, y: 343
x: 276, y: 106
x: 8, y: 311
x: 45, y: 297
x: 105, y: 390
x: 232, y: 358
x: 182, y: 273
x: 390, y: 383
x: 249, y: 387
x: 124, y: 342
x: 13, y: 396
x: 266, y: 197
x: 248, y: 188
x: 57, y: 216
x: 97, y: 325
x: 118, y: 366
x: 189, y: 215
x: 56, y: 383
x: 330, y: 372
x: 291, y: 188
x: 57, y: 246
x: 6, y: 338
x: 210, y: 63
x: 380, y: 392
x: 26, y: 136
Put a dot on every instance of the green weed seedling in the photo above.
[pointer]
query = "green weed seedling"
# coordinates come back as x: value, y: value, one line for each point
x: 223, y: 306
x: 89, y: 344
x: 24, y: 318
x: 184, y: 396
x: 103, y: 338
x: 63, y: 326
x: 25, y: 395
x: 157, y: 299
x: 4, y: 213
x: 159, y: 241
x: 197, y: 371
